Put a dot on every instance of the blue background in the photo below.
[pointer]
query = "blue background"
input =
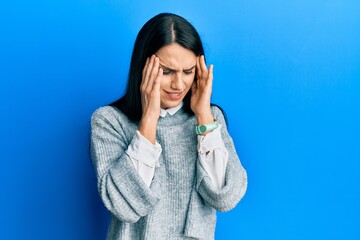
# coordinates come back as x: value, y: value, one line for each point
x: 287, y: 74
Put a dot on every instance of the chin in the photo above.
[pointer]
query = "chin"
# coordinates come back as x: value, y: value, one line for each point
x: 170, y: 104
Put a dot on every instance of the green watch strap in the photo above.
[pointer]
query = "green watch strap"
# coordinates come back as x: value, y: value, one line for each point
x: 206, y: 127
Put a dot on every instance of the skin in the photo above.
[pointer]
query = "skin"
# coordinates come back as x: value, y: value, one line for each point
x: 166, y: 78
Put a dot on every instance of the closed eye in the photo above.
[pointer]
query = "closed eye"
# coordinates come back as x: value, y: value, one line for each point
x: 190, y: 70
x: 167, y: 72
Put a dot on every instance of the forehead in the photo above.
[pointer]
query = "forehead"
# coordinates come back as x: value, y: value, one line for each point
x: 176, y: 56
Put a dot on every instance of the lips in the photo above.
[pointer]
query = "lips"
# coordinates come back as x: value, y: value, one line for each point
x: 174, y: 95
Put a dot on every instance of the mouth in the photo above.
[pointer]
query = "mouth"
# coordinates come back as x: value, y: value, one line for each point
x: 173, y: 95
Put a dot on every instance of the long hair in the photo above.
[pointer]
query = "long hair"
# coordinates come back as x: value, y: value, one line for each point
x: 161, y: 30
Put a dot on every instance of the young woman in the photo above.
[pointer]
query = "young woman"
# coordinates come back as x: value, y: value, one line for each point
x: 163, y: 157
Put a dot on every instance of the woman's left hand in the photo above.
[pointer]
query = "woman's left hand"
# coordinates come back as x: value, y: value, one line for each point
x: 201, y: 92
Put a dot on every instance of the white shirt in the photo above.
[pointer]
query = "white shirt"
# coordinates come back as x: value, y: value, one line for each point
x: 213, y: 155
x: 170, y: 111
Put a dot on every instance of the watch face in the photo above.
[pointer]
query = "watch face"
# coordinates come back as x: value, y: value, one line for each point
x: 202, y: 128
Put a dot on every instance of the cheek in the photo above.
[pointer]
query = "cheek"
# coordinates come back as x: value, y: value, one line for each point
x: 189, y: 79
x: 165, y: 81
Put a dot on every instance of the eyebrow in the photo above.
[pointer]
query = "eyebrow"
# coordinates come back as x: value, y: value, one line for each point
x: 170, y: 69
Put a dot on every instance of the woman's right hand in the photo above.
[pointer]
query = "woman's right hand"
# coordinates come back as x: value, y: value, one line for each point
x: 150, y: 98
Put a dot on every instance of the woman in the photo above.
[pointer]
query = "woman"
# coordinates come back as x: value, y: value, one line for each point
x: 163, y: 157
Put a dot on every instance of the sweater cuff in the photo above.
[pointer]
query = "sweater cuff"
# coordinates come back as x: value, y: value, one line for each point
x: 140, y: 197
x: 143, y: 150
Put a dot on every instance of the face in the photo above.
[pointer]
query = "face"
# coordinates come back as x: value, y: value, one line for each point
x: 179, y: 65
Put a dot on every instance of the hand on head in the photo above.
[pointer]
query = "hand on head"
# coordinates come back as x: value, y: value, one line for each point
x: 201, y: 92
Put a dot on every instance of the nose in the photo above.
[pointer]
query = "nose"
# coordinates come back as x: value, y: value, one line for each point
x: 177, y: 82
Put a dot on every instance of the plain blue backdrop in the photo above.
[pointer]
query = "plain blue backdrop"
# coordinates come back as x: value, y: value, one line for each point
x: 287, y: 74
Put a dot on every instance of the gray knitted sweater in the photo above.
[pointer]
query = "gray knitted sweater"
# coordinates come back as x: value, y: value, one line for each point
x: 181, y: 201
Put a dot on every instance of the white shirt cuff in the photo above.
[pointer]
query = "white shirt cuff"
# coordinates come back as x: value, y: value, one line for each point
x: 210, y: 141
x: 143, y: 150
x: 213, y: 156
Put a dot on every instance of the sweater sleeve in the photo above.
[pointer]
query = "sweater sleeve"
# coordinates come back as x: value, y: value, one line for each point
x: 121, y: 188
x: 235, y: 185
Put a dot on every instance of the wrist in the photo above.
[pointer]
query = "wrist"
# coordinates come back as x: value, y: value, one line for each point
x: 150, y: 115
x: 147, y: 128
x: 204, y: 119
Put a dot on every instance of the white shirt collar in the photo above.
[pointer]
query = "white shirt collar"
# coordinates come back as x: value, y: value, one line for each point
x: 170, y: 111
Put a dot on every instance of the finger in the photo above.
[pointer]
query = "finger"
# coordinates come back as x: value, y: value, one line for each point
x: 198, y: 68
x: 210, y: 76
x: 157, y: 81
x: 203, y: 65
x: 153, y: 74
x: 148, y: 72
x: 144, y: 72
x: 145, y: 66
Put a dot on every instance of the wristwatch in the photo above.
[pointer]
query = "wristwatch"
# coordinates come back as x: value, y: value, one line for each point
x: 200, y: 129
